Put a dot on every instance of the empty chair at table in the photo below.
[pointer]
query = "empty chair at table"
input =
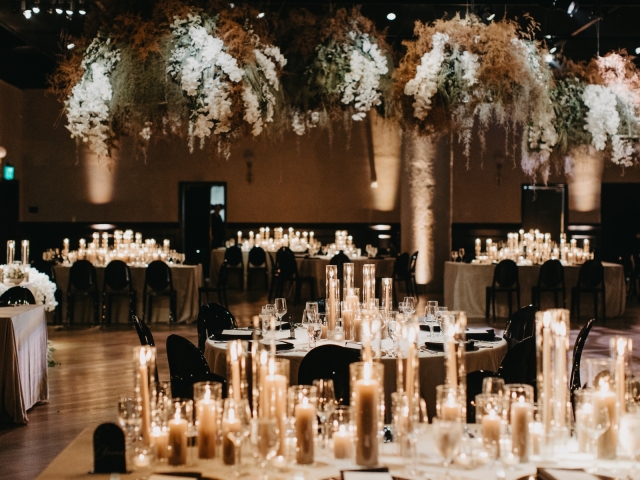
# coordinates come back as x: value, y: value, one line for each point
x: 401, y: 273
x: 519, y: 364
x: 235, y: 264
x: 144, y: 333
x: 257, y: 266
x: 158, y: 282
x: 185, y: 359
x: 330, y: 362
x: 505, y: 280
x: 83, y: 281
x: 590, y: 281
x: 17, y: 296
x: 117, y: 283
x: 286, y: 270
x: 212, y: 318
x: 521, y: 325
x: 581, y: 339
x: 46, y: 268
x: 550, y: 280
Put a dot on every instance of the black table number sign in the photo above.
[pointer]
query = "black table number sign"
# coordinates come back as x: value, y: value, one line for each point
x: 109, y: 449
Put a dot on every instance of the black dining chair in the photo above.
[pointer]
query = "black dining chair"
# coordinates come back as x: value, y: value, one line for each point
x: 144, y: 333
x: 46, y: 268
x: 158, y: 282
x: 17, y: 296
x: 581, y: 339
x: 183, y: 387
x: 329, y: 361
x: 521, y: 325
x: 286, y: 270
x: 401, y: 273
x: 550, y: 280
x: 339, y: 259
x: 505, y: 280
x: 590, y: 281
x: 257, y: 267
x: 413, y: 262
x: 213, y: 317
x: 83, y: 281
x: 519, y: 364
x: 117, y: 283
x: 185, y: 359
x: 474, y: 387
x: 235, y: 264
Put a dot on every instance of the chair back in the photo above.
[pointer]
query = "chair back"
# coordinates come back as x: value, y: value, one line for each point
x: 233, y: 256
x: 519, y: 364
x: 474, y: 387
x: 574, y: 382
x: 329, y: 361
x: 413, y: 262
x: 82, y: 276
x: 401, y: 266
x: 185, y: 359
x: 522, y: 324
x: 117, y: 276
x: 44, y: 267
x: 339, y: 259
x: 183, y: 387
x: 591, y: 274
x: 213, y: 317
x: 158, y: 276
x: 144, y: 334
x: 506, y: 274
x: 286, y: 265
x: 257, y: 257
x: 551, y: 274
x: 17, y: 296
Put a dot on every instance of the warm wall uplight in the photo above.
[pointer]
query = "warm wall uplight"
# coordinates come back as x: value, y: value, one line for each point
x: 585, y: 181
x: 102, y: 226
x: 387, y: 144
x: 381, y: 228
x: 100, y: 174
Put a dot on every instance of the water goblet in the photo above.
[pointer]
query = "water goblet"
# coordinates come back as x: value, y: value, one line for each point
x: 265, y: 438
x: 326, y: 403
x: 461, y: 254
x: 280, y: 309
x: 454, y: 255
x: 446, y: 435
x: 410, y: 305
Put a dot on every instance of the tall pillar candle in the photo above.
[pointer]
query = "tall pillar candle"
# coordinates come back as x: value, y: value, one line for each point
x: 621, y: 347
x: 177, y: 442
x: 333, y: 298
x: 11, y: 250
x: 560, y: 378
x: 368, y: 285
x: 367, y: 409
x: 348, y: 276
x: 25, y: 252
x: 387, y: 294
x: 521, y: 416
x: 305, y: 416
x: 206, y: 414
x: 145, y: 399
x: 274, y: 399
x: 547, y: 377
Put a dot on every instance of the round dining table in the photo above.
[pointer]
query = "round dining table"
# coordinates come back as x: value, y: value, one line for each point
x: 485, y: 356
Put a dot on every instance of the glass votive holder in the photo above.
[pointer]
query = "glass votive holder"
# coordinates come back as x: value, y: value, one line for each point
x: 493, y: 385
x: 179, y: 426
x: 143, y: 455
x: 487, y: 403
x: 340, y: 432
x: 144, y: 360
x: 160, y: 438
x: 520, y: 400
x: 302, y: 402
x: 322, y: 319
x: 448, y: 404
x: 338, y: 334
x: 207, y: 397
x: 600, y: 373
x: 273, y: 383
x: 237, y: 362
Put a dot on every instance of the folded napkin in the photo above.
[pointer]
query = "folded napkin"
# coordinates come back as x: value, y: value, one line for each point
x: 566, y: 474
x: 280, y: 345
x: 439, y: 346
x: 234, y: 334
x: 381, y: 473
x: 487, y: 334
x: 428, y: 327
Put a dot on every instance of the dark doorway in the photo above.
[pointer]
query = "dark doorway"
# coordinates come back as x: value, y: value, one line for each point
x: 620, y: 211
x: 544, y: 209
x: 196, y: 206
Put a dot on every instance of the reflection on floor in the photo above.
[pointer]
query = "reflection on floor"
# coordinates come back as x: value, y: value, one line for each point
x: 95, y: 368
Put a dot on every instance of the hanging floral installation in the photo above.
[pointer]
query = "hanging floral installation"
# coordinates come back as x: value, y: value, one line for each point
x: 461, y: 72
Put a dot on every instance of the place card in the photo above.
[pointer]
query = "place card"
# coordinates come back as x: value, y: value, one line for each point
x: 355, y: 346
x: 109, y: 449
x: 369, y: 474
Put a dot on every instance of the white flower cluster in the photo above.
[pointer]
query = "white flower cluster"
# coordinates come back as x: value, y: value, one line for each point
x: 13, y: 272
x: 87, y: 106
x: 366, y: 65
x: 43, y: 289
x: 543, y: 137
x: 425, y: 84
x: 303, y: 122
x: 602, y: 119
x: 205, y: 72
x: 622, y: 151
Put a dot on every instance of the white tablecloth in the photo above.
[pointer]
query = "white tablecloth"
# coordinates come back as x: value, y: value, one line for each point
x: 186, y: 281
x: 465, y: 286
x: 431, y: 364
x: 23, y: 360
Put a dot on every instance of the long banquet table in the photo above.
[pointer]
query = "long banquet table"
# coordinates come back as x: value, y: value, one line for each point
x: 186, y: 281
x: 307, y: 267
x: 24, y: 377
x: 465, y: 286
x: 487, y: 357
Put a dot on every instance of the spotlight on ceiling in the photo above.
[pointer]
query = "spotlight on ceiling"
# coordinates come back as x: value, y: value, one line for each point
x: 572, y: 8
x: 553, y: 50
x: 82, y: 10
x: 548, y: 58
x: 36, y: 7
x: 261, y: 15
x: 638, y: 51
x: 27, y: 14
x: 391, y: 16
x: 25, y: 11
x: 548, y: 37
x: 71, y: 46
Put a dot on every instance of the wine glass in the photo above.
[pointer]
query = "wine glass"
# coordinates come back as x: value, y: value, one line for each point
x: 439, y: 314
x: 129, y: 416
x: 392, y: 330
x: 410, y: 305
x: 311, y: 309
x: 314, y: 330
x: 446, y: 436
x: 592, y: 419
x: 454, y: 255
x: 265, y: 438
x: 461, y: 254
x: 402, y: 308
x: 236, y: 425
x: 326, y: 403
x: 280, y: 309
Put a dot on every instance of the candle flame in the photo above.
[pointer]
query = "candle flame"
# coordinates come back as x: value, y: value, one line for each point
x: 305, y: 401
x: 367, y: 371
x: 603, y: 385
x: 143, y: 357
x: 343, y: 429
x: 232, y: 414
x: 521, y: 399
x: 234, y: 352
x: 272, y: 366
x: 621, y: 346
x: 546, y: 319
x: 207, y: 393
x: 264, y: 356
x: 177, y: 414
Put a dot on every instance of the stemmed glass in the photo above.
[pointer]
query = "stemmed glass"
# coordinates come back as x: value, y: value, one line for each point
x: 325, y: 406
x: 236, y: 423
x: 392, y: 330
x: 446, y: 436
x: 454, y: 255
x: 402, y: 308
x: 592, y: 419
x: 461, y: 254
x: 129, y: 416
x: 280, y: 309
x: 439, y: 314
x: 314, y: 329
x: 265, y: 438
x: 409, y: 305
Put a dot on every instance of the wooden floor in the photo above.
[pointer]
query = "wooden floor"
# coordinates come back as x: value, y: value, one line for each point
x: 95, y: 368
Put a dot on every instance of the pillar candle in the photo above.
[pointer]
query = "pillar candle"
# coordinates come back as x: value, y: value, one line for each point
x: 546, y: 371
x: 452, y: 368
x: 608, y: 441
x: 367, y: 409
x: 357, y: 328
x: 491, y: 424
x: 267, y: 232
x: 451, y: 410
x: 25, y: 252
x: 275, y: 401
x: 347, y: 324
x: 144, y: 395
x: 206, y: 411
x: 239, y: 238
x: 348, y: 276
x: 620, y: 375
x: 323, y: 335
x: 235, y: 370
x: 177, y: 440
x: 166, y: 244
x: 560, y: 378
x: 387, y: 288
x: 333, y: 298
x: 105, y: 240
x: 521, y: 415
x: 305, y: 415
x: 535, y: 436
x: 229, y: 425
x: 342, y: 443
x: 583, y: 415
x: 411, y: 365
x: 161, y: 441
x: 11, y: 248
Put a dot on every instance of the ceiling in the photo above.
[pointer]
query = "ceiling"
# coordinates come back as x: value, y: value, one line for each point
x: 29, y: 47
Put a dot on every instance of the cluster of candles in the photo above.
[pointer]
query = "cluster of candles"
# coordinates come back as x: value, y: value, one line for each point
x: 16, y: 270
x: 126, y: 246
x: 533, y: 247
x: 272, y: 240
x: 11, y: 252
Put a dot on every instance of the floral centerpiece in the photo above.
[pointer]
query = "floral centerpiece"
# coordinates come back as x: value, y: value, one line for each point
x: 457, y: 71
x: 14, y: 274
x: 43, y: 289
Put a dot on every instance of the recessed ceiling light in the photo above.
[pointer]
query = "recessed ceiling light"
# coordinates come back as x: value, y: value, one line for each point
x: 638, y: 51
x: 553, y: 50
x: 491, y: 17
x: 71, y: 46
x: 27, y: 14
x: 548, y: 58
x: 59, y: 11
x: 261, y: 14
x: 548, y: 37
x: 573, y: 6
x: 391, y: 16
x: 35, y: 9
x: 69, y: 12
